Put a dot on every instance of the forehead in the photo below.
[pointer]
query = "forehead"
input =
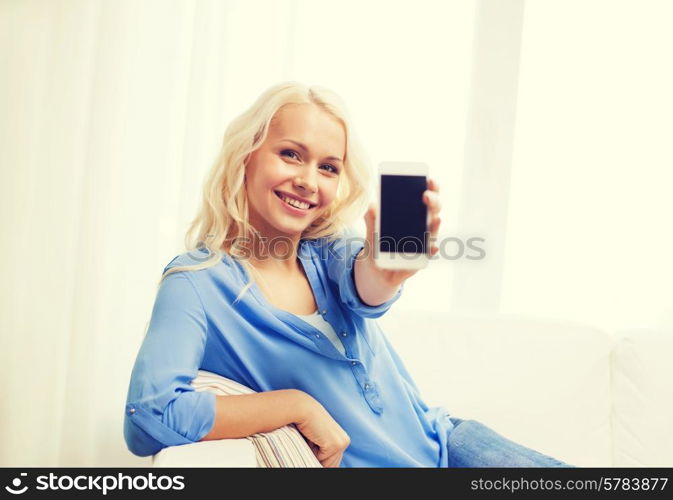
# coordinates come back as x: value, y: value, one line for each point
x: 309, y: 125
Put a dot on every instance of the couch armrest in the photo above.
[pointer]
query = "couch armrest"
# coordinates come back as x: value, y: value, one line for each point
x: 216, y: 453
x: 642, y: 384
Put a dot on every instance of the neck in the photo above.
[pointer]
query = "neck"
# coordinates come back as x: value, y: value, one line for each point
x: 279, y: 253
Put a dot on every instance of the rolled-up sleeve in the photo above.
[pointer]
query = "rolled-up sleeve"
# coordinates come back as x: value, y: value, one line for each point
x: 341, y: 255
x: 162, y: 408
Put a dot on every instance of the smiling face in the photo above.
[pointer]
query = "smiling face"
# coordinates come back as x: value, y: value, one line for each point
x: 292, y: 178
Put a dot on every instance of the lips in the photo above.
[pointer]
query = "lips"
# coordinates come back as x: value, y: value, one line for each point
x: 281, y: 195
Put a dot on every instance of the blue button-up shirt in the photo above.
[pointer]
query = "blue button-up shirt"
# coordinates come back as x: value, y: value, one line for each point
x: 196, y: 325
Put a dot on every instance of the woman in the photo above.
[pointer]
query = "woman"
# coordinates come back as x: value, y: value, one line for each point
x: 276, y: 295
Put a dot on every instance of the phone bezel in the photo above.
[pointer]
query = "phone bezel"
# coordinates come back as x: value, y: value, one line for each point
x: 398, y: 260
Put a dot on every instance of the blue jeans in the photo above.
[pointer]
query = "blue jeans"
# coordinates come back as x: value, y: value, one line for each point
x: 472, y: 444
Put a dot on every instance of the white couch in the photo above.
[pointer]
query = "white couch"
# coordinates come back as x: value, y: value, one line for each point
x: 582, y: 395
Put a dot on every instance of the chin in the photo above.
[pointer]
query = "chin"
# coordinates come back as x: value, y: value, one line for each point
x: 291, y: 230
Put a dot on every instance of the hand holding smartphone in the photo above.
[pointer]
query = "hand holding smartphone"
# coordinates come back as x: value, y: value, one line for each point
x: 401, y: 239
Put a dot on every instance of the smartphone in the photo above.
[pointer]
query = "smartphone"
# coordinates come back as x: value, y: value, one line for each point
x: 401, y: 240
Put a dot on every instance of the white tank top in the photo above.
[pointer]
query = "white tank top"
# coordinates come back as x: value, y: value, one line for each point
x: 318, y: 321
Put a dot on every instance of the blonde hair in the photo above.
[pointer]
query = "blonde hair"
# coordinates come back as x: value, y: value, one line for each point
x: 223, y: 217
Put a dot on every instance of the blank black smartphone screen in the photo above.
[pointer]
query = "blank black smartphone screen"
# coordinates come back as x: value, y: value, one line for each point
x: 403, y: 214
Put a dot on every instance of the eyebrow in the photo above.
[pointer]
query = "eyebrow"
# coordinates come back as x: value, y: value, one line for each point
x: 305, y: 149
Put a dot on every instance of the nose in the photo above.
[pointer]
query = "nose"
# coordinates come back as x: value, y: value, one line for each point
x: 306, y: 179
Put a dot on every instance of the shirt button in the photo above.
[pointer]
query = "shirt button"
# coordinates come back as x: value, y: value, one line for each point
x: 132, y: 411
x: 354, y: 363
x: 343, y: 334
x: 366, y: 387
x: 317, y: 336
x: 324, y: 311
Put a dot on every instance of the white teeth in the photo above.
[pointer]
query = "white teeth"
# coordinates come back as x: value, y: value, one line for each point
x: 295, y: 203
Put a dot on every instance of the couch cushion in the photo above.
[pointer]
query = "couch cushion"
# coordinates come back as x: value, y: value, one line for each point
x: 544, y: 384
x: 216, y: 453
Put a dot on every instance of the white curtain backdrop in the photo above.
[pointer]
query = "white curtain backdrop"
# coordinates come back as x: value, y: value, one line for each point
x: 110, y: 115
x: 547, y: 125
x: 589, y: 229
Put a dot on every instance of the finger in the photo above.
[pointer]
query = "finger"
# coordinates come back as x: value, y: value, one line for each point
x: 335, y: 460
x: 331, y: 461
x: 434, y: 226
x: 433, y: 185
x: 324, y: 459
x: 431, y: 199
x: 371, y: 213
x: 370, y: 222
x: 434, y: 231
x: 367, y: 215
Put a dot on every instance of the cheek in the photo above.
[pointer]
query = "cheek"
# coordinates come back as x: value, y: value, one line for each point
x: 329, y: 193
x: 267, y: 169
x: 256, y: 189
x: 263, y: 187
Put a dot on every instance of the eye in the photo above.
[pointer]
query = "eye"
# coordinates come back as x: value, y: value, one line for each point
x: 334, y: 169
x: 288, y: 152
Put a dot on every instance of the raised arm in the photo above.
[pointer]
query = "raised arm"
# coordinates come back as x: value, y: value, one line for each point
x: 376, y: 286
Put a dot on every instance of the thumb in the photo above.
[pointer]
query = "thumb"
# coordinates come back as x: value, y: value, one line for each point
x: 370, y: 221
